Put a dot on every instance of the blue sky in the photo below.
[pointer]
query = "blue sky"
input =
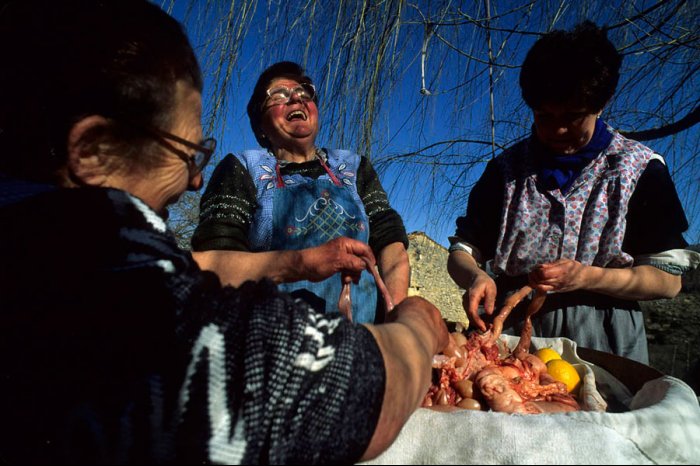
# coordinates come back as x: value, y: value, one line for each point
x: 429, y: 193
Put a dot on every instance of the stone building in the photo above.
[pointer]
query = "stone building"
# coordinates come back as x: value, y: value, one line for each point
x: 429, y: 277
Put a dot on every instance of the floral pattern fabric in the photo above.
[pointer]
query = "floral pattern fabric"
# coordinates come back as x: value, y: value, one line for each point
x: 587, y: 224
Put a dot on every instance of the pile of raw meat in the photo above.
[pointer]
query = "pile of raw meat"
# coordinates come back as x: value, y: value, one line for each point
x: 479, y: 372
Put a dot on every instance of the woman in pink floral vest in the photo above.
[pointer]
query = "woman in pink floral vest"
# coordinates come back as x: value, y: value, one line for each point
x: 574, y: 210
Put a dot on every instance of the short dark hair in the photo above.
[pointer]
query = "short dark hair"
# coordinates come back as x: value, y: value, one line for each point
x: 283, y: 69
x: 120, y: 59
x: 580, y: 67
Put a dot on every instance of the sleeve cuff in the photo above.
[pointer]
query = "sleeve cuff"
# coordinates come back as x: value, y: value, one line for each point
x: 674, y: 261
x: 457, y: 244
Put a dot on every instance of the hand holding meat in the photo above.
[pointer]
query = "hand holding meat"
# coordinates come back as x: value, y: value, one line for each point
x: 424, y: 319
x: 560, y: 276
x: 515, y: 383
x: 481, y: 288
x: 481, y: 291
x: 341, y: 254
x: 414, y: 332
x: 345, y: 302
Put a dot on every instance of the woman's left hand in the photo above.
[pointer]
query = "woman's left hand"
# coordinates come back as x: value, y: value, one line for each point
x: 560, y: 276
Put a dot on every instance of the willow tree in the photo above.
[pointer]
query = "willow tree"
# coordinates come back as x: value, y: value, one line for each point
x: 428, y: 89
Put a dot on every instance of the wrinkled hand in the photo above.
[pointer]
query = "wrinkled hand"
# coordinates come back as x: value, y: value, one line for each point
x: 341, y: 254
x: 559, y: 276
x: 421, y: 315
x: 482, y: 290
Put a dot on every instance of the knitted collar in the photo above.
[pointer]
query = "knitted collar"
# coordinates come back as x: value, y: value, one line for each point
x: 320, y: 155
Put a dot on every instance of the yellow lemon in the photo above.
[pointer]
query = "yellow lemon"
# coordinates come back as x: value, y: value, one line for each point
x: 547, y: 354
x: 562, y: 371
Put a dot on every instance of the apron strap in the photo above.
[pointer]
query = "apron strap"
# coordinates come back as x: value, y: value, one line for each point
x: 333, y: 178
x: 280, y: 183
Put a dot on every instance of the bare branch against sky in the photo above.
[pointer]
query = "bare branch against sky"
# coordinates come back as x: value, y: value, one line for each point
x: 428, y: 89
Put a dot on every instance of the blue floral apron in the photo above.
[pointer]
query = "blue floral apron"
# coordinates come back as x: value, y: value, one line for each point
x: 296, y: 212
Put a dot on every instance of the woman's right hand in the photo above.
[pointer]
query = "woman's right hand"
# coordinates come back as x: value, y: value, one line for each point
x: 481, y: 290
x: 480, y: 287
x: 341, y: 254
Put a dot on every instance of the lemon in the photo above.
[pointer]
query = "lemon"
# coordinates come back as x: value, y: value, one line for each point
x: 563, y: 371
x: 547, y: 354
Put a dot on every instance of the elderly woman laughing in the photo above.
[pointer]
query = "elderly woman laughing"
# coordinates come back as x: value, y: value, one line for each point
x: 295, y: 212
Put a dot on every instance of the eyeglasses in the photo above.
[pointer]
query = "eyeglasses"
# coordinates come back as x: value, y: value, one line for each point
x: 280, y: 95
x: 197, y: 161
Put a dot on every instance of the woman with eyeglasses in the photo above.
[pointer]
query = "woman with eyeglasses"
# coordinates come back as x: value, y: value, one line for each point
x: 296, y: 212
x: 115, y: 347
x: 576, y: 210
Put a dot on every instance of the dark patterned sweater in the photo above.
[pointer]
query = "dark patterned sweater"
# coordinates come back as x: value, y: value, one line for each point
x: 116, y: 348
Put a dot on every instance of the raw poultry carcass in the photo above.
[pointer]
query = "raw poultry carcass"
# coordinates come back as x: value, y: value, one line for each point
x: 345, y: 303
x: 480, y: 366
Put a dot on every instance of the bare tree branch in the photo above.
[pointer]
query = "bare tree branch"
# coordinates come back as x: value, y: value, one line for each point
x: 371, y: 59
x: 683, y: 124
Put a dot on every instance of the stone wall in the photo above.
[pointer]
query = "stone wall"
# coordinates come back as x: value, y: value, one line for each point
x: 429, y: 277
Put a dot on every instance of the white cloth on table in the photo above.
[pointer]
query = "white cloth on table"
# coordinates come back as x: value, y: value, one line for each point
x: 662, y: 426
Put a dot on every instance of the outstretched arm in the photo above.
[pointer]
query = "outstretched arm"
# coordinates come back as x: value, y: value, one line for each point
x: 408, y: 342
x: 643, y: 282
x: 314, y: 264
